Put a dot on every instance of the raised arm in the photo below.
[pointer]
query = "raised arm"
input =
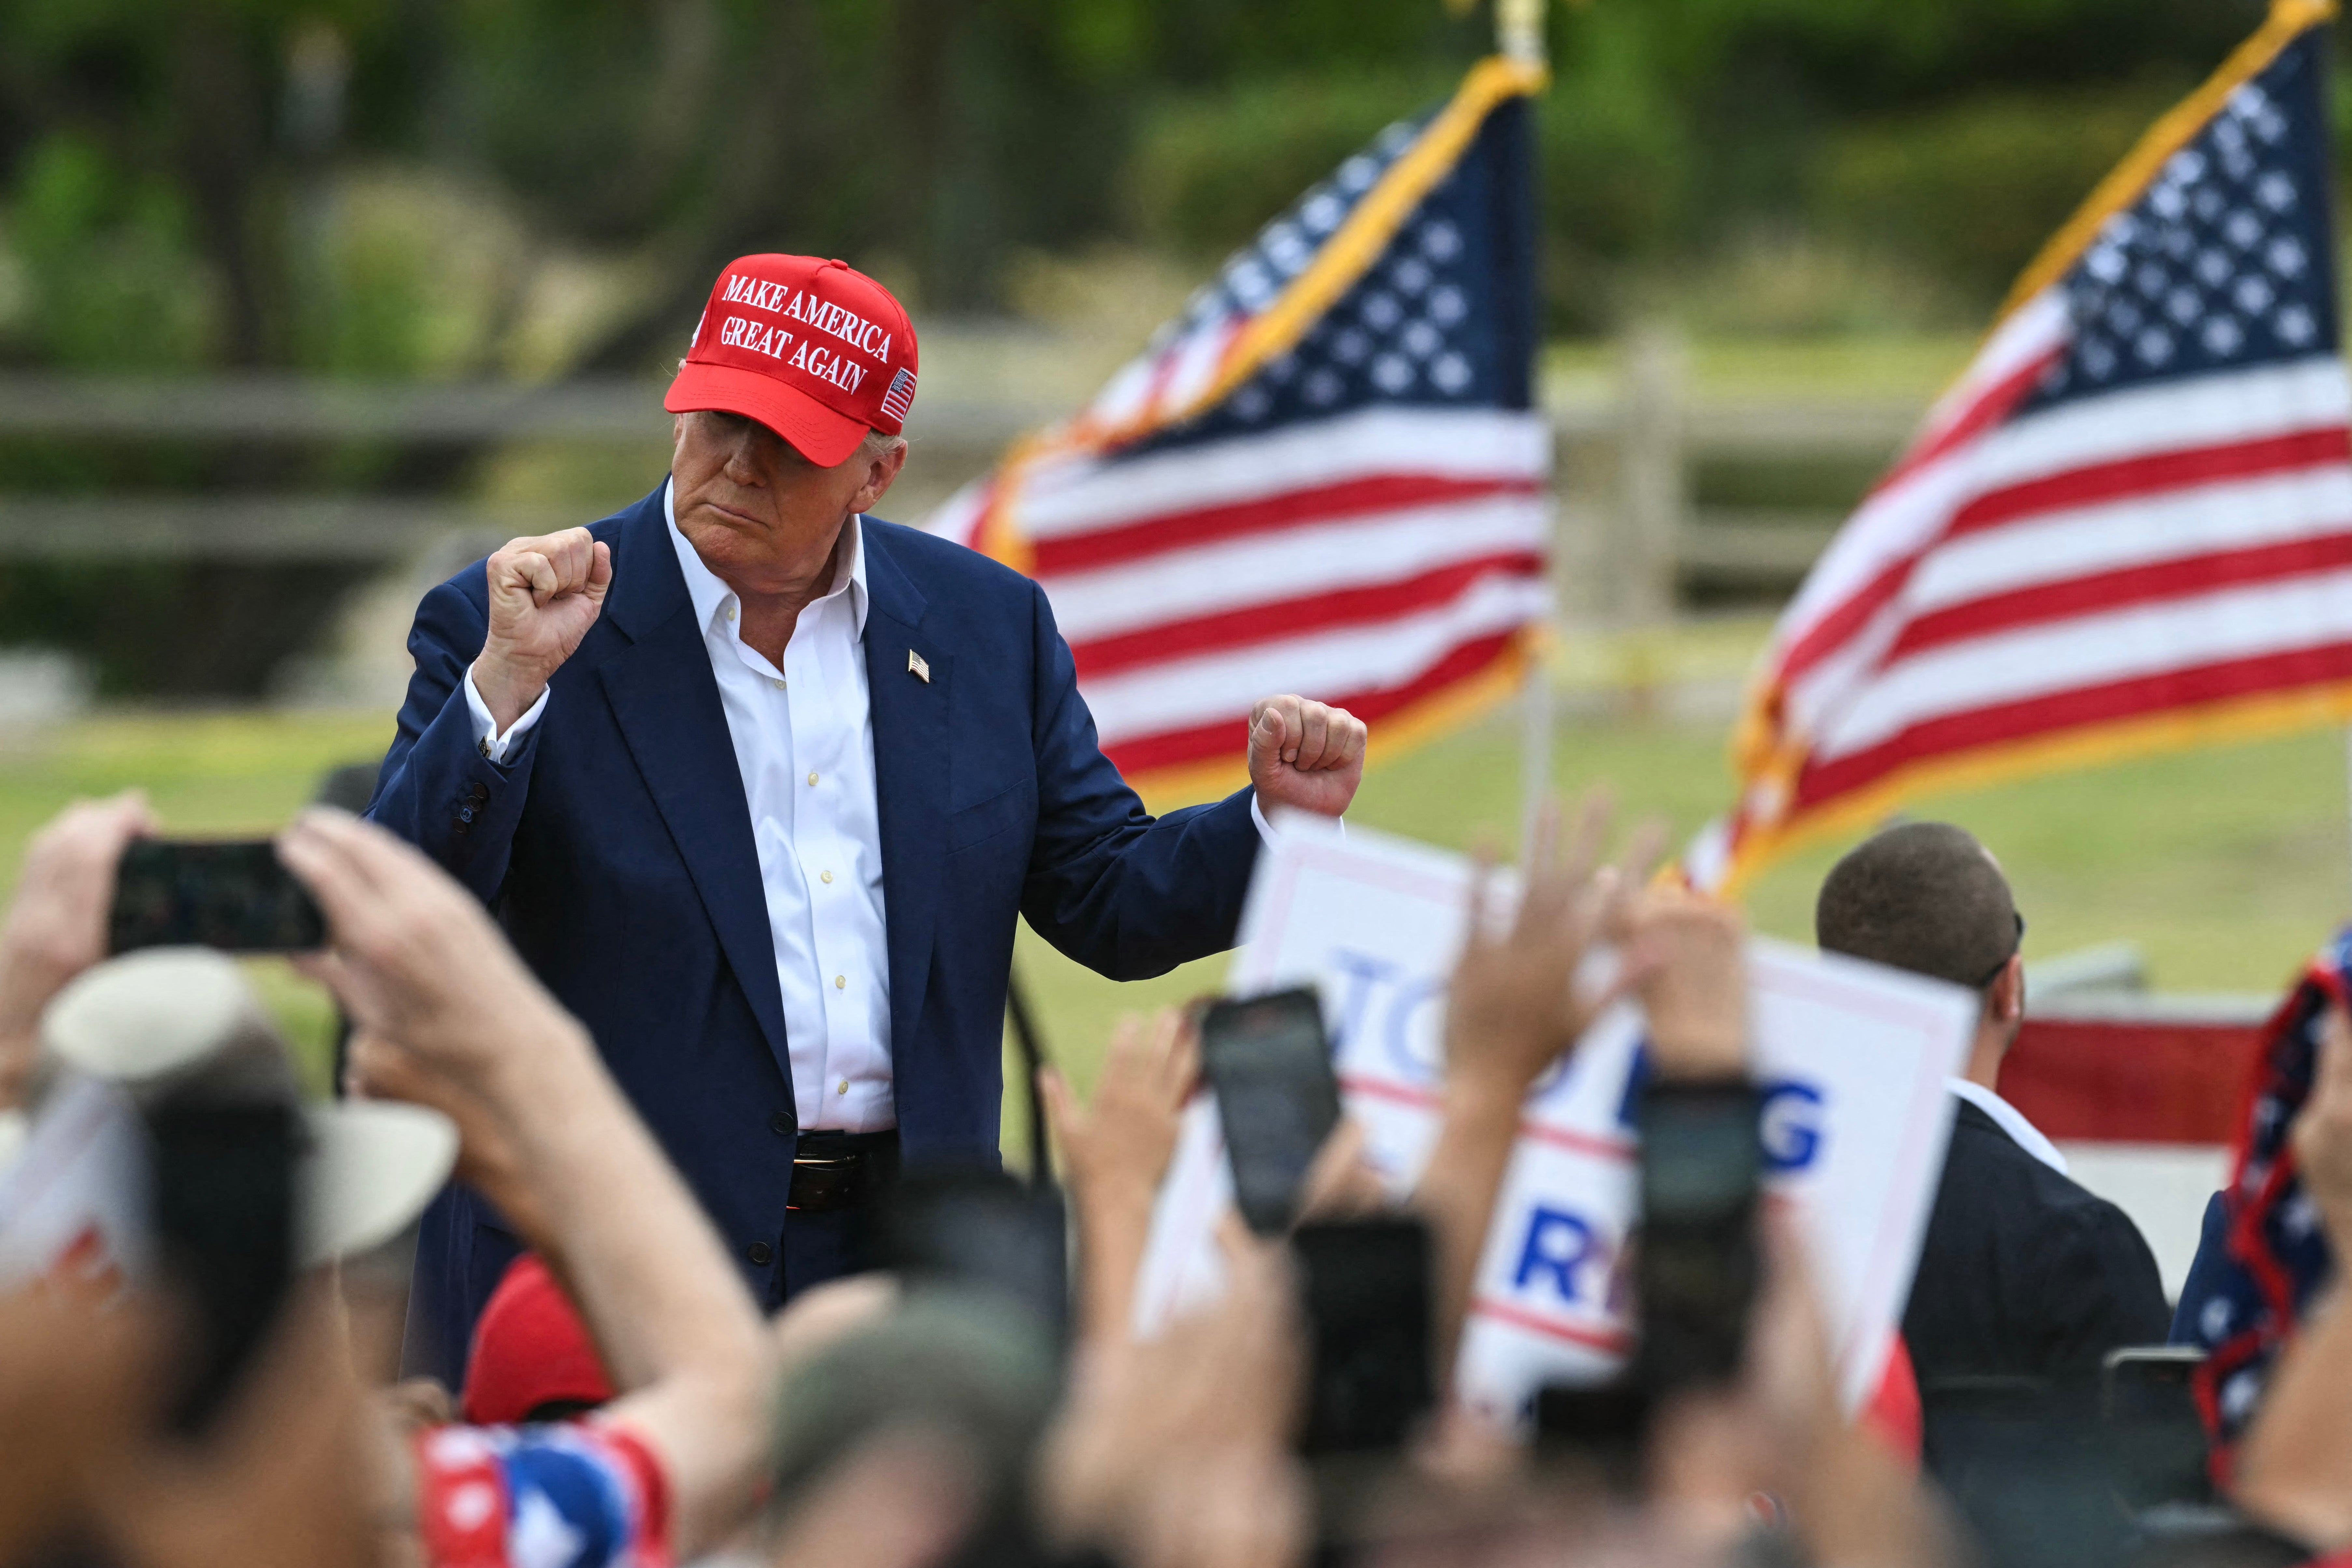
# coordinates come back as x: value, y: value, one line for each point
x: 1129, y: 895
x: 1512, y: 1009
x: 451, y: 1017
x: 459, y: 772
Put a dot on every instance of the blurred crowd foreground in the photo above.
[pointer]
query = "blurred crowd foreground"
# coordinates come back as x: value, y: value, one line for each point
x: 205, y: 1281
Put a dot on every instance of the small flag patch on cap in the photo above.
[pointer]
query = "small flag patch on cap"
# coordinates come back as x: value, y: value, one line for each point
x: 901, y: 396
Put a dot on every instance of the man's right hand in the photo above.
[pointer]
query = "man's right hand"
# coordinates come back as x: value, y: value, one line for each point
x: 545, y: 592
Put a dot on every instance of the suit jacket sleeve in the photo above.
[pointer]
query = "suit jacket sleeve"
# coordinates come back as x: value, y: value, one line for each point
x: 1124, y: 894
x: 2099, y: 1285
x: 436, y: 789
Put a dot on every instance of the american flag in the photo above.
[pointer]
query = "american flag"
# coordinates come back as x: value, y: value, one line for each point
x: 1327, y: 476
x: 2129, y: 524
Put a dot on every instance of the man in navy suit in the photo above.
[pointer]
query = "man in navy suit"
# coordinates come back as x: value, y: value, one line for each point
x: 758, y: 783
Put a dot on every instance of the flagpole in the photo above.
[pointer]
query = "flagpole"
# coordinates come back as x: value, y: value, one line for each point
x: 1519, y: 37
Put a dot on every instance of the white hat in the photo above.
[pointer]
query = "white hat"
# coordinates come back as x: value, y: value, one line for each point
x: 155, y: 1019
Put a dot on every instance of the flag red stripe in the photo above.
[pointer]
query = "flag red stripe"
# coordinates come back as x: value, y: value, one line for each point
x: 1833, y: 630
x: 1229, y: 737
x: 1169, y: 531
x: 1290, y: 617
x: 2119, y: 587
x: 1991, y: 408
x: 2068, y: 710
x: 2146, y: 473
x: 2142, y: 474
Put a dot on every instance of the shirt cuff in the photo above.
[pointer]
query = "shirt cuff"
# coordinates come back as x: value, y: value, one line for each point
x: 1257, y: 816
x: 494, y: 746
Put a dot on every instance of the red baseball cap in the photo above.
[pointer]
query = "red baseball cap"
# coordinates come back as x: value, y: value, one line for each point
x: 816, y: 351
x: 531, y: 1350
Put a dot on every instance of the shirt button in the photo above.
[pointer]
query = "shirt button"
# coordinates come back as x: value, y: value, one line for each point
x: 844, y: 1087
x: 778, y: 681
x: 812, y: 780
x: 825, y: 876
x: 759, y: 1253
x: 840, y: 982
x: 729, y: 612
x: 781, y: 1124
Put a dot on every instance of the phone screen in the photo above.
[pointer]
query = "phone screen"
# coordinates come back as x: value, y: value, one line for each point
x: 1269, y: 1062
x: 1696, y: 1269
x: 1366, y: 1284
x: 979, y: 1228
x: 234, y: 896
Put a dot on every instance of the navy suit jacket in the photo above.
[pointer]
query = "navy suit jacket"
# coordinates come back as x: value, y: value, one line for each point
x: 615, y: 848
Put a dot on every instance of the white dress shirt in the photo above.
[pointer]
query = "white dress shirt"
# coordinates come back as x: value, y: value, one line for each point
x: 804, y: 740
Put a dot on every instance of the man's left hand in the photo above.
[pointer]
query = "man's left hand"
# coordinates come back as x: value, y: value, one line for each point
x: 1304, y: 754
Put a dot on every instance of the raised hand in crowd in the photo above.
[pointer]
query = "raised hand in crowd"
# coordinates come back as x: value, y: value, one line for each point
x: 2293, y: 1470
x: 1685, y: 957
x: 1517, y: 1003
x: 55, y: 926
x: 1176, y: 1453
x: 545, y: 592
x: 425, y: 975
x: 1114, y: 1152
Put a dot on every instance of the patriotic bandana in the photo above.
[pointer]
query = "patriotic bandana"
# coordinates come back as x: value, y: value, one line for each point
x: 2277, y: 1255
x: 586, y: 1495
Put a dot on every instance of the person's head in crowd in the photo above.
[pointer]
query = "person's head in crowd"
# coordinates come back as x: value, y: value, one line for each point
x: 958, y: 1384
x: 532, y: 1357
x: 1926, y: 897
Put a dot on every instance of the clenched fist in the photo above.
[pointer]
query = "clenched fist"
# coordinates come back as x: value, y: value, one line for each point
x: 545, y: 592
x: 1304, y: 754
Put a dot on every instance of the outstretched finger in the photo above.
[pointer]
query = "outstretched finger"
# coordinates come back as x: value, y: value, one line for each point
x: 1180, y: 1066
x: 1064, y: 1118
x: 1592, y: 832
x: 2331, y: 1082
x: 1480, y: 895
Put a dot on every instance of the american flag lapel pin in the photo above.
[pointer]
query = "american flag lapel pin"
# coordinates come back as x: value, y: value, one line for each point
x: 917, y: 668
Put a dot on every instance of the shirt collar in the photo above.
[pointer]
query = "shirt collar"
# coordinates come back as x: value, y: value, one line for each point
x: 2011, y: 1120
x: 710, y: 593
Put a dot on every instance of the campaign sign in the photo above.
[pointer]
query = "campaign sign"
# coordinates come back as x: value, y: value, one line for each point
x: 1850, y: 1059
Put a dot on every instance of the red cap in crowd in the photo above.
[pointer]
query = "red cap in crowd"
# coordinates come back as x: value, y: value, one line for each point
x: 531, y: 1350
x: 816, y: 351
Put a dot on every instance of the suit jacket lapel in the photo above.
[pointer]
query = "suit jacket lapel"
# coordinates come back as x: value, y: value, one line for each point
x: 911, y: 781
x: 666, y: 700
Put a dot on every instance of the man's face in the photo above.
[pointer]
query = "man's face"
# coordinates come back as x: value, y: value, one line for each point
x: 762, y: 517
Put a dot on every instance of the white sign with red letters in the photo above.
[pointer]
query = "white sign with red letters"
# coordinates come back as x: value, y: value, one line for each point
x: 1850, y: 1059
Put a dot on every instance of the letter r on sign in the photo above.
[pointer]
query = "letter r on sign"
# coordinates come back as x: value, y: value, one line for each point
x: 1558, y: 1244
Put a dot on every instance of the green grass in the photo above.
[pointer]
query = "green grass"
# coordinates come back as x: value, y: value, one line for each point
x: 2226, y: 866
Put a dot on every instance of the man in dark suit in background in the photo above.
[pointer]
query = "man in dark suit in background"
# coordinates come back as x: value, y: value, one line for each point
x: 758, y: 784
x: 2025, y: 1279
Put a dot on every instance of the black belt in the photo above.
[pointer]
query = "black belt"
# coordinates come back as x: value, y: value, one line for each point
x: 833, y: 1171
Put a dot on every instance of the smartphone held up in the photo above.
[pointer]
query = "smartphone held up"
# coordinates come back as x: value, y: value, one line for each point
x: 235, y: 896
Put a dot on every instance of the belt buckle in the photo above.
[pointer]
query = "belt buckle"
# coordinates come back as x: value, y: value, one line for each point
x: 832, y: 1178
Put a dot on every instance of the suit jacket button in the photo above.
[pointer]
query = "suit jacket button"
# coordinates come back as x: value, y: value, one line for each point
x: 759, y: 1253
x: 781, y: 1124
x: 466, y: 813
x: 478, y: 793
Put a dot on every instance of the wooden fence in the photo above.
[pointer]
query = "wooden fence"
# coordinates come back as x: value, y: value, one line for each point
x: 1631, y: 536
